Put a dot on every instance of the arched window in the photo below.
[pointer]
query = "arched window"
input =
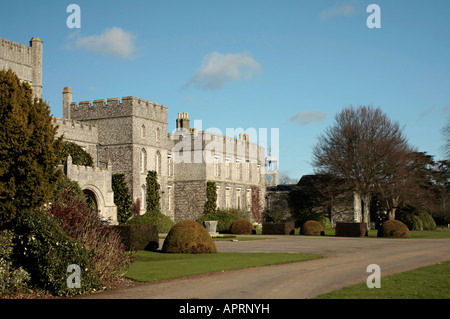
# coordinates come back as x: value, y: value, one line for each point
x: 143, y: 161
x: 143, y: 197
x: 143, y: 131
x: 157, y: 135
x: 158, y: 163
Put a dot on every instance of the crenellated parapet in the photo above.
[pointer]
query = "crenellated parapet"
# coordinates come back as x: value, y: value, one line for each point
x: 76, y: 131
x: 116, y: 107
x: 25, y: 61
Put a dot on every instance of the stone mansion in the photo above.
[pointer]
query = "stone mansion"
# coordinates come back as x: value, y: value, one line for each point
x: 130, y: 135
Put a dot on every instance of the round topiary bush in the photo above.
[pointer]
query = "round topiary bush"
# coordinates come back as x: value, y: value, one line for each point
x: 311, y: 227
x: 242, y: 226
x: 393, y: 229
x: 188, y: 237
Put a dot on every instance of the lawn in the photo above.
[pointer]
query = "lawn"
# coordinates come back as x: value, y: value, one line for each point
x: 430, y: 234
x: 431, y: 282
x: 153, y: 266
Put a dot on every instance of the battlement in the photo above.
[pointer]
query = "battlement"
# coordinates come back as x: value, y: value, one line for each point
x: 76, y: 131
x: 72, y: 124
x: 15, y: 52
x: 25, y: 61
x: 116, y: 107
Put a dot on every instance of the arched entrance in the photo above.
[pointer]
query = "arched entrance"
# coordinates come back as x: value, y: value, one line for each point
x: 91, y: 199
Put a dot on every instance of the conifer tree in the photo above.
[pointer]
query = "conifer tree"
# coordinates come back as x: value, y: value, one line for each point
x: 122, y: 198
x: 153, y: 195
x: 211, y: 198
x: 28, y: 149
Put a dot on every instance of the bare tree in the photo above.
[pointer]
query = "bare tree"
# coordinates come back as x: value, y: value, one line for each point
x: 363, y: 148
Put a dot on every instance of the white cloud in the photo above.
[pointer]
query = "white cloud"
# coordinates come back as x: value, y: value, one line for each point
x: 218, y: 69
x: 345, y: 10
x: 304, y: 118
x: 114, y: 42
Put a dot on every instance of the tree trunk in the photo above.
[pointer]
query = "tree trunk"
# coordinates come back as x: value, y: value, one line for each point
x: 366, y: 209
x: 391, y: 214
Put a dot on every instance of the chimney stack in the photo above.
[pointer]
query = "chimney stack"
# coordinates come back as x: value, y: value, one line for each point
x: 183, y: 121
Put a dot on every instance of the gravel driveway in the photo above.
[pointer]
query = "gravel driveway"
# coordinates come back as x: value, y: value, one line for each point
x: 345, y: 262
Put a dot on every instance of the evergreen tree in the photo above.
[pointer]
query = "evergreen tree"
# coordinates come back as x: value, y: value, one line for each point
x: 122, y: 198
x: 211, y: 198
x: 28, y: 149
x: 153, y: 195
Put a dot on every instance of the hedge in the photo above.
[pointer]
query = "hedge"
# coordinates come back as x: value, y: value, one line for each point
x: 351, y: 229
x: 139, y: 236
x: 278, y: 228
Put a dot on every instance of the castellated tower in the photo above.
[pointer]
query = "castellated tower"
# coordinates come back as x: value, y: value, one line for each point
x: 25, y: 61
x: 132, y: 135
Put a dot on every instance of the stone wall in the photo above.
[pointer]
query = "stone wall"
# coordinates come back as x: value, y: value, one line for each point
x: 25, y: 61
x: 190, y: 199
x: 99, y: 182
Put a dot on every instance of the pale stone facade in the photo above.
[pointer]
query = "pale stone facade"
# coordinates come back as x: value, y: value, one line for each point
x: 25, y: 61
x: 130, y: 136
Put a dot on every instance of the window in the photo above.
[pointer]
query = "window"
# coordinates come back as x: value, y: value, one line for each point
x: 143, y: 161
x: 169, y: 197
x: 216, y: 166
x: 238, y: 169
x: 169, y: 165
x: 217, y: 196
x: 157, y: 135
x: 158, y: 163
x: 248, y: 197
x: 227, y: 197
x: 238, y: 198
x: 227, y: 168
x: 143, y: 197
x: 248, y: 171
x: 258, y: 173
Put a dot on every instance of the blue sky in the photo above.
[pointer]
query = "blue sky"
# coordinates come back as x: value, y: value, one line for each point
x: 288, y: 65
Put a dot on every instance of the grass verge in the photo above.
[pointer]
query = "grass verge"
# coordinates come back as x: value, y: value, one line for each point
x: 155, y: 266
x: 430, y: 282
x: 424, y: 234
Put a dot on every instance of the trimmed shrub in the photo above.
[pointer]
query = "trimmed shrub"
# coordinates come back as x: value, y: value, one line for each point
x: 416, y: 219
x: 311, y: 227
x: 351, y: 229
x: 139, y: 236
x: 188, y: 237
x: 428, y: 222
x: 224, y: 220
x: 393, y: 228
x: 45, y: 251
x: 324, y: 221
x: 412, y: 221
x: 242, y: 226
x: 162, y: 222
x: 278, y: 228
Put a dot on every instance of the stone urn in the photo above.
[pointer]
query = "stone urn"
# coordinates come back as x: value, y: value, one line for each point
x: 211, y: 226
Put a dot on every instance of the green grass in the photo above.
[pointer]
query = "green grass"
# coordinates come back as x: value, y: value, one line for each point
x: 154, y: 266
x: 431, y: 282
x: 424, y: 234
